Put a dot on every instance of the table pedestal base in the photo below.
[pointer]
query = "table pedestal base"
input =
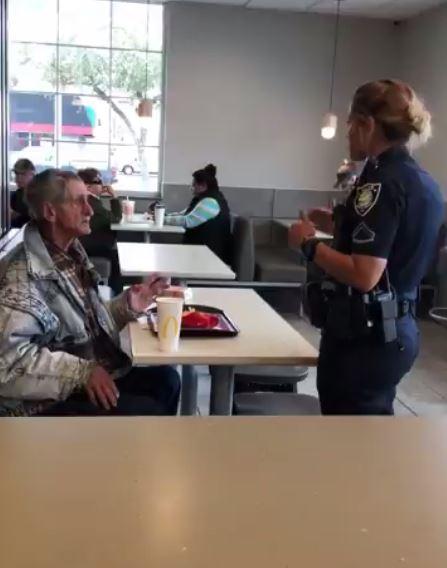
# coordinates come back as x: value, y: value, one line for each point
x: 222, y: 386
x: 188, y: 398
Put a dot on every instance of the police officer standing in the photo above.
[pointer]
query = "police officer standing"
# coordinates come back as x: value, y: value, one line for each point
x: 385, y: 238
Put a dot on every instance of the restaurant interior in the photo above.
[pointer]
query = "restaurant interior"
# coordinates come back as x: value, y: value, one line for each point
x: 223, y: 283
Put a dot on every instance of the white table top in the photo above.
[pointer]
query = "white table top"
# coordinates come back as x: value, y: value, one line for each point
x: 142, y: 224
x: 235, y: 493
x: 265, y: 337
x: 287, y: 223
x: 439, y: 314
x: 178, y: 261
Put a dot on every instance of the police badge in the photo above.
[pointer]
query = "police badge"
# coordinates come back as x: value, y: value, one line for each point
x: 366, y: 197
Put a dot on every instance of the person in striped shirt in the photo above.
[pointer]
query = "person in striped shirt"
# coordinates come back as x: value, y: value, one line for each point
x: 207, y: 218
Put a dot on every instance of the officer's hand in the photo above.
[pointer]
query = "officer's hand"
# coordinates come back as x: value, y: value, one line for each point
x: 322, y: 218
x: 300, y: 231
x: 101, y: 389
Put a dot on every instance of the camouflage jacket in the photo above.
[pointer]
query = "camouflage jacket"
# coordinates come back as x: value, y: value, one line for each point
x: 42, y: 325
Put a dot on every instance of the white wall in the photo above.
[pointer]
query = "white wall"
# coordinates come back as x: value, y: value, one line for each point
x: 424, y: 66
x: 247, y: 89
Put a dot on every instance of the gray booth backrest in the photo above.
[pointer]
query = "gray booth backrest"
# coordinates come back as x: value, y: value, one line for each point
x: 243, y: 261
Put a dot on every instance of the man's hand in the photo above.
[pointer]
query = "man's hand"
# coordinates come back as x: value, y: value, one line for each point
x: 108, y: 191
x: 300, y: 231
x: 322, y: 218
x: 140, y: 296
x: 101, y: 389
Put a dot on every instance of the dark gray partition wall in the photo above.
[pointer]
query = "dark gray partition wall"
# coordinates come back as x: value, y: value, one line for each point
x: 260, y: 204
x: 257, y: 203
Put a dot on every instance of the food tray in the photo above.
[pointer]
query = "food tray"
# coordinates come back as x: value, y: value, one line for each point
x: 224, y: 328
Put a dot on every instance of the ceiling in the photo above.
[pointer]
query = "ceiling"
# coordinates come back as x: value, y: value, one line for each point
x: 392, y: 9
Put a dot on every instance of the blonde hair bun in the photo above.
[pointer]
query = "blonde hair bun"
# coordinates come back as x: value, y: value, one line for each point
x: 421, y: 121
x: 397, y: 108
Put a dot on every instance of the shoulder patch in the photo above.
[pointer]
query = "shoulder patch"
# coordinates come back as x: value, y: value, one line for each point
x: 366, y: 198
x: 363, y: 234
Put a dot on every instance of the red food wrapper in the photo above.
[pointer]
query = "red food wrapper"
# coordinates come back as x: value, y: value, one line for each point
x: 199, y: 320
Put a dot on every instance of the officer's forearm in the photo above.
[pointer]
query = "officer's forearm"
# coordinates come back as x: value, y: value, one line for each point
x: 338, y: 265
x: 360, y: 272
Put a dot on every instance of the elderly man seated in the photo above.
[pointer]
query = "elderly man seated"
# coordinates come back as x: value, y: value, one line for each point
x: 59, y: 348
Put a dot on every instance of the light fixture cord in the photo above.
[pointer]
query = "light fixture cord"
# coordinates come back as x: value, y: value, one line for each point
x: 147, y: 46
x: 334, y: 59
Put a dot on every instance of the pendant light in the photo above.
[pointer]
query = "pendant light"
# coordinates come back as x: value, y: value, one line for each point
x: 329, y: 125
x: 144, y: 109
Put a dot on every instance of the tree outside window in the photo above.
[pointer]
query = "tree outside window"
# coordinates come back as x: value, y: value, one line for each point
x: 76, y: 101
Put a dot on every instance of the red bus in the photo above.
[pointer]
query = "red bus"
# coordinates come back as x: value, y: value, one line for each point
x: 32, y: 118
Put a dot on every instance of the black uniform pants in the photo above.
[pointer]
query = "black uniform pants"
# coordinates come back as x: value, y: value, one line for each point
x: 360, y: 377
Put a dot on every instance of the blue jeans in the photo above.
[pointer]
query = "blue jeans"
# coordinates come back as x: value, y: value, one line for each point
x: 360, y: 377
x: 145, y: 391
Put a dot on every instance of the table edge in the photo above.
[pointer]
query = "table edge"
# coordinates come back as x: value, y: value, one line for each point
x: 141, y: 227
x: 179, y: 359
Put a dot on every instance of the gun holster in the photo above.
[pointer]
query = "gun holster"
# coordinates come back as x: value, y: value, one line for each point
x: 348, y: 315
x: 316, y: 304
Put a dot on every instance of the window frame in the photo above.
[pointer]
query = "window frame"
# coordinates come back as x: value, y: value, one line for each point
x: 57, y: 92
x: 4, y: 123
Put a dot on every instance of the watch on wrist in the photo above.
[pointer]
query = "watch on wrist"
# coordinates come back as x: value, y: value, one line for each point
x: 309, y: 248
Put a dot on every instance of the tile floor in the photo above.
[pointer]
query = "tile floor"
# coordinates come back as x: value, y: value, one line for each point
x: 422, y: 393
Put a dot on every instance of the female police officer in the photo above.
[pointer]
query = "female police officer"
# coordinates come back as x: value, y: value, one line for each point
x: 385, y: 237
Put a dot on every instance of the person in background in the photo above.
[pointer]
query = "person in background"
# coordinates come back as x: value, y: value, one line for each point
x: 385, y: 237
x: 60, y: 350
x: 346, y: 175
x: 24, y: 172
x: 102, y: 240
x: 207, y: 218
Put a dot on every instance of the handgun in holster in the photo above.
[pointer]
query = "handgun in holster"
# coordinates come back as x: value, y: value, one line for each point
x: 347, y: 314
x: 316, y: 304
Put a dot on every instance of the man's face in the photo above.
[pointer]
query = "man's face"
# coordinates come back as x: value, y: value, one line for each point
x: 72, y: 217
x: 95, y: 186
x: 23, y: 179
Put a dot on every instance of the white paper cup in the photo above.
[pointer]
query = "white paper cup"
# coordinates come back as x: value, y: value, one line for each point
x: 178, y: 292
x: 169, y: 321
x: 159, y: 214
x: 128, y: 209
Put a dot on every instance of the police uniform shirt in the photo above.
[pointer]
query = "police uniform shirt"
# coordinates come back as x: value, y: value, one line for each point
x: 395, y: 213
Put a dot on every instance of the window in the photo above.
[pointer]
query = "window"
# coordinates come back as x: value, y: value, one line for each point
x: 3, y: 124
x: 77, y: 73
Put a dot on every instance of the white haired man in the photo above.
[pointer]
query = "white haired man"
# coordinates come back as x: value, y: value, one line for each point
x: 60, y: 352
